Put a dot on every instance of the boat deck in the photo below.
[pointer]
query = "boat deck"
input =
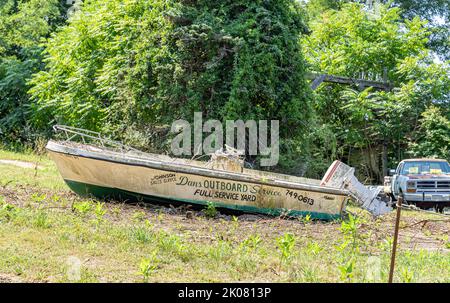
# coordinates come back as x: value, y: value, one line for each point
x: 139, y: 155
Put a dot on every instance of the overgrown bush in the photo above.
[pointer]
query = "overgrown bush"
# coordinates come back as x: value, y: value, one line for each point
x: 130, y: 68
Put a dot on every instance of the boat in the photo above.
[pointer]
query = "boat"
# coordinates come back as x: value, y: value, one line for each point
x: 92, y: 165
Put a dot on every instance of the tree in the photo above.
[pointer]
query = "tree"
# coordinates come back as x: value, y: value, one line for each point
x: 433, y: 135
x: 373, y: 127
x: 126, y: 66
x: 436, y: 12
x: 22, y: 26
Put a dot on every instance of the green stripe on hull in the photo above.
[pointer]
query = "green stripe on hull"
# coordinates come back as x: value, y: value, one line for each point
x: 101, y: 192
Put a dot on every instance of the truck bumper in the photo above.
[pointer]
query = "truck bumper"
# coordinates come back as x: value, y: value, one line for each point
x: 429, y: 198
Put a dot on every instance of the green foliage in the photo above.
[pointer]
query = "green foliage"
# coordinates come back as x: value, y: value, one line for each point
x: 314, y: 248
x: 285, y: 245
x: 83, y: 207
x: 38, y: 198
x: 352, y: 41
x: 41, y: 220
x: 433, y: 135
x: 347, y: 270
x: 221, y: 252
x: 348, y: 254
x: 141, y: 235
x: 376, y: 44
x: 23, y: 23
x: 407, y: 276
x: 437, y: 13
x: 251, y: 243
x: 99, y: 212
x: 210, y: 210
x: 168, y: 242
x: 131, y: 67
x: 139, y: 216
x: 148, y: 266
x: 350, y: 230
x: 7, y: 212
x: 306, y: 219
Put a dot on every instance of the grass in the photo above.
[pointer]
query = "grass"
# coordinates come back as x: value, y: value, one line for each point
x: 45, y: 176
x: 48, y: 234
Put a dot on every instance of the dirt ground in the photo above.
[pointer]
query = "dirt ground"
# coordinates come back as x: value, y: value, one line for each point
x: 418, y: 230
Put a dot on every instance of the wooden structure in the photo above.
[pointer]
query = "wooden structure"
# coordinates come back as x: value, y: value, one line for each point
x: 317, y: 79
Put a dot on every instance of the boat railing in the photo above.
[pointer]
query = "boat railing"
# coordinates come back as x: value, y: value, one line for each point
x: 89, y: 136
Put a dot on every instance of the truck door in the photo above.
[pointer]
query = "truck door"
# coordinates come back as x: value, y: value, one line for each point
x: 395, y: 177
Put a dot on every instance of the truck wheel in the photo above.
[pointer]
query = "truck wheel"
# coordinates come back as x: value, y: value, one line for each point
x: 439, y: 208
x: 392, y: 198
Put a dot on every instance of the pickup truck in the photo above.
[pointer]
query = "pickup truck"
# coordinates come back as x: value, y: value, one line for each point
x: 423, y: 182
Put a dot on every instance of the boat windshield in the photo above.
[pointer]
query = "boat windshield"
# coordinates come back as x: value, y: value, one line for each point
x: 425, y: 168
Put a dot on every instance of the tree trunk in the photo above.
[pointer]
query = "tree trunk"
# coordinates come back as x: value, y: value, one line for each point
x: 384, y: 160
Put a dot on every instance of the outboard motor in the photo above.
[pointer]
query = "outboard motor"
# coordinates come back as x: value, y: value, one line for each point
x: 340, y: 175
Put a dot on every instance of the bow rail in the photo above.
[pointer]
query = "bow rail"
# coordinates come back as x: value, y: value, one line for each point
x: 89, y: 136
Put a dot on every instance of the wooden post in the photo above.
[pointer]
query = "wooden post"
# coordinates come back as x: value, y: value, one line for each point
x: 394, y: 245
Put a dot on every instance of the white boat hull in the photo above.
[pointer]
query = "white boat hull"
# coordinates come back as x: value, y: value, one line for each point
x: 91, y: 171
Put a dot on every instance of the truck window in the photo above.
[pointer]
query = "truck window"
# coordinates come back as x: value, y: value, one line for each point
x: 399, y: 169
x: 425, y: 167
